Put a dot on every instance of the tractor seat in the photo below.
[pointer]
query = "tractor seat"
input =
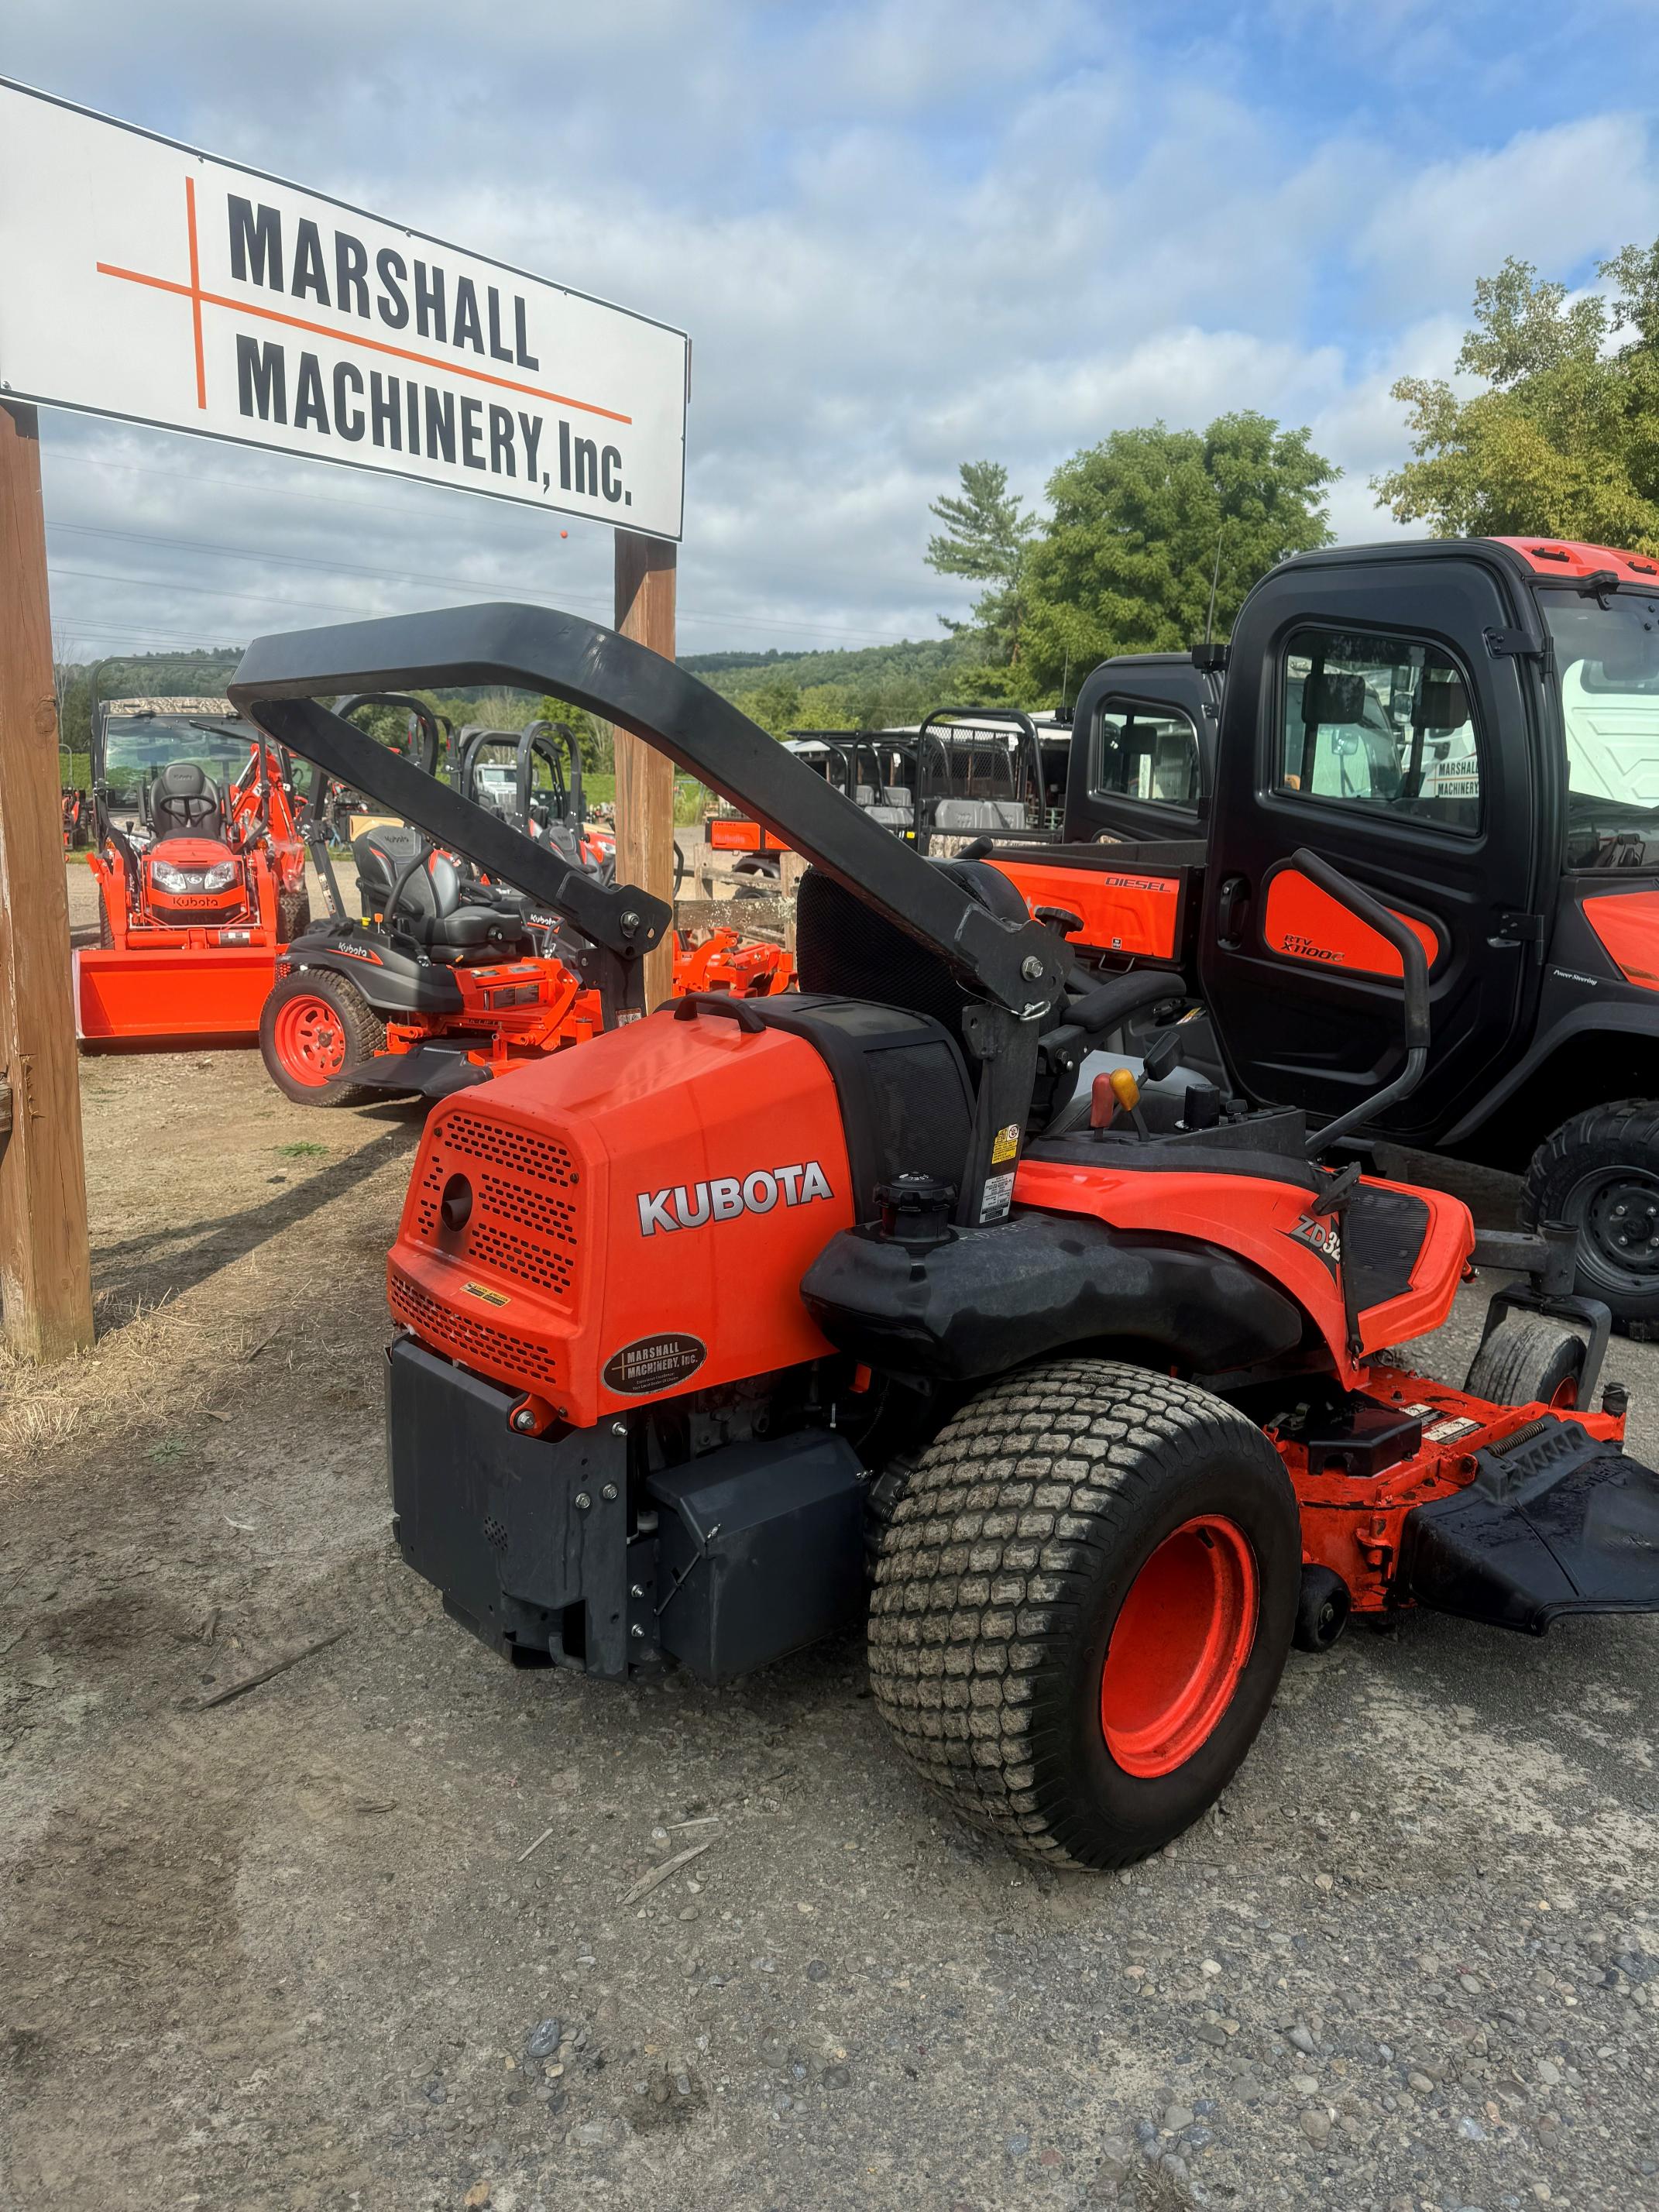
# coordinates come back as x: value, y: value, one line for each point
x: 185, y: 802
x: 459, y: 923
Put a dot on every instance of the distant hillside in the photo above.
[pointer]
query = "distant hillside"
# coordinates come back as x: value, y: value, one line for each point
x: 865, y: 666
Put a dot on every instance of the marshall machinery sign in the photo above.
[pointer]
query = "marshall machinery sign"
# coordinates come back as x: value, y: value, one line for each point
x: 141, y: 279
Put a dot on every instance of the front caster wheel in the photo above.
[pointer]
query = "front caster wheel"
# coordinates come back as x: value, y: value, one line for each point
x: 1321, y: 1609
x: 1527, y: 1360
x: 1083, y: 1607
x: 1599, y: 1172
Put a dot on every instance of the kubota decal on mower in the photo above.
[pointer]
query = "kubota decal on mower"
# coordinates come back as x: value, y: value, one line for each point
x: 1112, y: 1454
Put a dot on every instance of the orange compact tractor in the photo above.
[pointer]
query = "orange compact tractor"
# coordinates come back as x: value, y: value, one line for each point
x: 687, y: 1320
x: 199, y: 884
x: 457, y: 970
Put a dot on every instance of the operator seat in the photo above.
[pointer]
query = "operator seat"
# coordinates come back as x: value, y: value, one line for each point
x: 459, y: 923
x: 185, y: 802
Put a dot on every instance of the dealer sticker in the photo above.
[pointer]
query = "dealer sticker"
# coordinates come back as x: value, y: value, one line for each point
x: 653, y: 1363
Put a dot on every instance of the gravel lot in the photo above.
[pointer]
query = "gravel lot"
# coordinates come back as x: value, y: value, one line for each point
x: 304, y: 1948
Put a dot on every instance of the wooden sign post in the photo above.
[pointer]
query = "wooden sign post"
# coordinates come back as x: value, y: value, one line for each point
x: 45, y: 1286
x: 645, y: 777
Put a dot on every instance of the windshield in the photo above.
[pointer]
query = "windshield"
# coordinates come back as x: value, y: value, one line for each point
x: 1608, y: 665
x: 137, y: 746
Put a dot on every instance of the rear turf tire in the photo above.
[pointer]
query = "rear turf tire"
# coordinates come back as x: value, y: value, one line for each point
x: 1599, y: 1172
x: 292, y: 916
x: 1529, y: 1359
x: 313, y: 1023
x: 1019, y: 1548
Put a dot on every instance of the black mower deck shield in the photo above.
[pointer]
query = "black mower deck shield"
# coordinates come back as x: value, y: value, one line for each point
x: 1554, y: 1522
x: 1020, y: 968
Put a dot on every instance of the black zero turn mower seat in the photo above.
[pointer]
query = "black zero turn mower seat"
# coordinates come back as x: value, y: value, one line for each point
x: 456, y: 922
x: 185, y: 802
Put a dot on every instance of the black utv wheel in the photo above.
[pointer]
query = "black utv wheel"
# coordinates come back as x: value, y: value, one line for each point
x: 1599, y: 1172
x: 1529, y: 1359
x: 313, y: 1024
x: 292, y: 916
x: 1083, y: 1607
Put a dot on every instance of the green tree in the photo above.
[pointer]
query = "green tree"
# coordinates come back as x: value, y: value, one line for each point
x: 1127, y: 564
x: 1564, y: 438
x: 987, y: 537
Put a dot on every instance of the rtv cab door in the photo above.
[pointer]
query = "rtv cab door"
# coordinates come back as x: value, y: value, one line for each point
x: 1367, y: 717
x: 1141, y: 743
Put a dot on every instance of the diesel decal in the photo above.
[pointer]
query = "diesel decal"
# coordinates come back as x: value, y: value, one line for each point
x: 727, y: 1196
x: 653, y: 1363
x: 1323, y: 1237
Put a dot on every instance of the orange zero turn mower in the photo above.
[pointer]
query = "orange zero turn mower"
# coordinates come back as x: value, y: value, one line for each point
x: 691, y: 1324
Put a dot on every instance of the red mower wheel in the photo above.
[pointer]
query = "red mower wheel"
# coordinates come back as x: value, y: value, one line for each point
x: 1084, y: 1602
x: 315, y: 1024
x: 308, y: 1039
x: 1180, y: 1642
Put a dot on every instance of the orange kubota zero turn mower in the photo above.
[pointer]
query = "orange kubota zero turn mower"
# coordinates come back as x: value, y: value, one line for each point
x: 200, y: 886
x: 457, y: 970
x: 690, y: 1321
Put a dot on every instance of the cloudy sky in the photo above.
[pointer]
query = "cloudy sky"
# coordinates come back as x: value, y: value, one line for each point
x: 902, y: 233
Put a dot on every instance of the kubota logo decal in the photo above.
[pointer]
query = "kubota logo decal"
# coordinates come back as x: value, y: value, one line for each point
x: 688, y: 1207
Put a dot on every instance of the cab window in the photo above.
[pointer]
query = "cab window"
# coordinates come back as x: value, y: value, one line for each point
x: 1384, y: 723
x: 1146, y: 752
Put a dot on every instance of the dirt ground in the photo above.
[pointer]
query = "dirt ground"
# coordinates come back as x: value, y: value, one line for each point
x: 303, y: 1948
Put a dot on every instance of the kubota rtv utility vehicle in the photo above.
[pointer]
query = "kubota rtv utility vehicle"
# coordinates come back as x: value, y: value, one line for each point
x: 685, y: 1318
x: 1469, y: 729
x: 200, y: 883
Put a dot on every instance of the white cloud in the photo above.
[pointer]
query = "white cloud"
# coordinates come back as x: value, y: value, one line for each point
x: 902, y: 233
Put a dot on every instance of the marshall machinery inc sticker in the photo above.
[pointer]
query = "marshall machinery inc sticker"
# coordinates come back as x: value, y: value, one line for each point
x: 653, y: 1363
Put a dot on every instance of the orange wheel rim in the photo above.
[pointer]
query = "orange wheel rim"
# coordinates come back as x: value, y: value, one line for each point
x: 1182, y: 1639
x: 309, y: 1040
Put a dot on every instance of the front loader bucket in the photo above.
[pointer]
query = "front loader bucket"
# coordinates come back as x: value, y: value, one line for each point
x: 1555, y: 1522
x: 176, y: 992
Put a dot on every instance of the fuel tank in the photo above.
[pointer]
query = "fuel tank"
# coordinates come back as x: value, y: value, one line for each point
x: 629, y: 1221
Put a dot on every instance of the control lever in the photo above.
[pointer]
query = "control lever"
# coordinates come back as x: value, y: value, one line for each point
x: 1108, y: 1093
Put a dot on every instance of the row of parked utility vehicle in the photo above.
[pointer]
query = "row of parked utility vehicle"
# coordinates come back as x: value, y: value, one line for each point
x: 1470, y: 731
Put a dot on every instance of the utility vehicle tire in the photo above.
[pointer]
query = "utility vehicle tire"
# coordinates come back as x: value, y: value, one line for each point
x: 1083, y: 1605
x: 1600, y: 1171
x: 1528, y: 1359
x: 314, y: 1024
x: 292, y: 916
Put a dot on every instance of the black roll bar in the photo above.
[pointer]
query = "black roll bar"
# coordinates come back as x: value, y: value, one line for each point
x: 934, y: 731
x: 1019, y: 967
